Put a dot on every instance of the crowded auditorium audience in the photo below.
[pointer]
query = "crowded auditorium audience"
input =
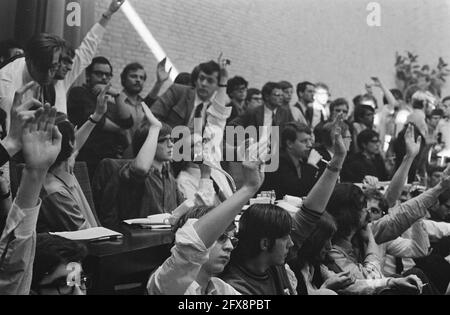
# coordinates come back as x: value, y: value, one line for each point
x: 358, y: 203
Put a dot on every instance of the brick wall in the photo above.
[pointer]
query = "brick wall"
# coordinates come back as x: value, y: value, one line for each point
x: 327, y: 40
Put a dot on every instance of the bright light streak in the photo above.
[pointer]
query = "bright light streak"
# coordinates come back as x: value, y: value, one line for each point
x: 147, y: 37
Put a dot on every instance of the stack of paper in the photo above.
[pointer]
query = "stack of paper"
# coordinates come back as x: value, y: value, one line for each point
x: 92, y: 234
x: 157, y: 221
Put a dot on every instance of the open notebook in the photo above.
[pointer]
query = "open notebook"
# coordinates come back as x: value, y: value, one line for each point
x: 92, y: 234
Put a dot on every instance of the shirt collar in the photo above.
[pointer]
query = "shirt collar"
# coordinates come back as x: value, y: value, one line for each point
x: 64, y: 176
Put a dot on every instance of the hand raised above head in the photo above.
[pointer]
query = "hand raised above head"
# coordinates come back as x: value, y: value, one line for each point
x: 336, y: 133
x: 161, y: 74
x: 41, y: 140
x: 223, y: 64
x: 412, y: 145
x: 115, y: 5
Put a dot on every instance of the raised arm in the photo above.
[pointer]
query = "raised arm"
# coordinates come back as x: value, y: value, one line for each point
x: 214, y: 223
x: 401, y: 175
x: 114, y: 6
x: 41, y: 144
x: 83, y: 133
x: 144, y: 158
x: 387, y: 93
x: 319, y: 195
x: 161, y: 76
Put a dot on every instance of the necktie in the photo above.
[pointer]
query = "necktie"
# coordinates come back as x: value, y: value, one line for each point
x: 197, y: 120
x: 198, y: 111
x: 273, y: 119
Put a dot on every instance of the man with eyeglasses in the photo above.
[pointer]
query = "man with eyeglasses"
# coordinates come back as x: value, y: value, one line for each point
x: 41, y: 61
x: 108, y: 139
x: 367, y: 162
x: 254, y: 98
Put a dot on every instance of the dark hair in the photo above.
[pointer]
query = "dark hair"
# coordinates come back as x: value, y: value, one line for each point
x: 3, y: 123
x: 134, y: 66
x: 321, y: 85
x: 375, y: 194
x: 268, y: 88
x: 140, y: 135
x: 208, y: 68
x: 7, y: 45
x: 183, y: 78
x: 251, y: 92
x: 98, y: 60
x: 51, y: 252
x: 68, y: 53
x: 338, y: 102
x: 444, y: 197
x: 257, y: 222
x: 418, y: 104
x: 437, y: 112
x: 445, y: 99
x: 301, y: 87
x: 311, y: 247
x: 67, y: 131
x: 290, y: 130
x: 195, y: 213
x: 357, y: 101
x: 365, y: 136
x: 398, y: 95
x: 234, y: 83
x: 40, y: 49
x: 345, y: 205
x: 285, y: 85
x: 360, y: 112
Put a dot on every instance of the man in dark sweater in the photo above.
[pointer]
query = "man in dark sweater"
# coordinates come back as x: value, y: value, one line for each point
x: 367, y: 162
x: 297, y: 171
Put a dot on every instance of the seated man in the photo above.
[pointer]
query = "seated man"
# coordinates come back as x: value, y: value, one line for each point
x: 298, y: 169
x: 257, y: 265
x: 64, y: 206
x: 109, y: 139
x: 146, y: 183
x: 203, y: 244
x: 366, y: 162
x: 237, y: 91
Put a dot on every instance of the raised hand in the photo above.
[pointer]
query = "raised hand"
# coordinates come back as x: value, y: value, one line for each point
x: 412, y: 146
x: 41, y: 140
x: 154, y: 122
x: 253, y: 176
x: 376, y: 82
x: 101, y: 107
x: 161, y: 74
x: 223, y: 64
x: 20, y: 112
x: 370, y: 181
x: 114, y: 6
x: 336, y: 133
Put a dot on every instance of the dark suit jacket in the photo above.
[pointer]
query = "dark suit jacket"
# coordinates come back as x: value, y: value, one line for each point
x: 175, y: 106
x: 359, y: 166
x: 285, y: 180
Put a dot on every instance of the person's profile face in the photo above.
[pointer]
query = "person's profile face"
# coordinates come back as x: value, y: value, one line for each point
x: 301, y: 147
x: 255, y: 101
x: 446, y: 108
x: 368, y: 118
x: 275, y: 98
x: 206, y: 85
x: 308, y: 95
x: 164, y: 149
x: 239, y: 93
x: 220, y: 253
x: 280, y: 250
x: 134, y: 81
x: 287, y: 95
x: 45, y: 74
x: 321, y: 96
x: 64, y: 67
x: 434, y: 120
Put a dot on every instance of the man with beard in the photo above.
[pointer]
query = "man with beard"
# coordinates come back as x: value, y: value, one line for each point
x: 108, y: 140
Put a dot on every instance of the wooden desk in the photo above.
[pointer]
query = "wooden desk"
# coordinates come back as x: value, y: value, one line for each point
x: 127, y: 260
